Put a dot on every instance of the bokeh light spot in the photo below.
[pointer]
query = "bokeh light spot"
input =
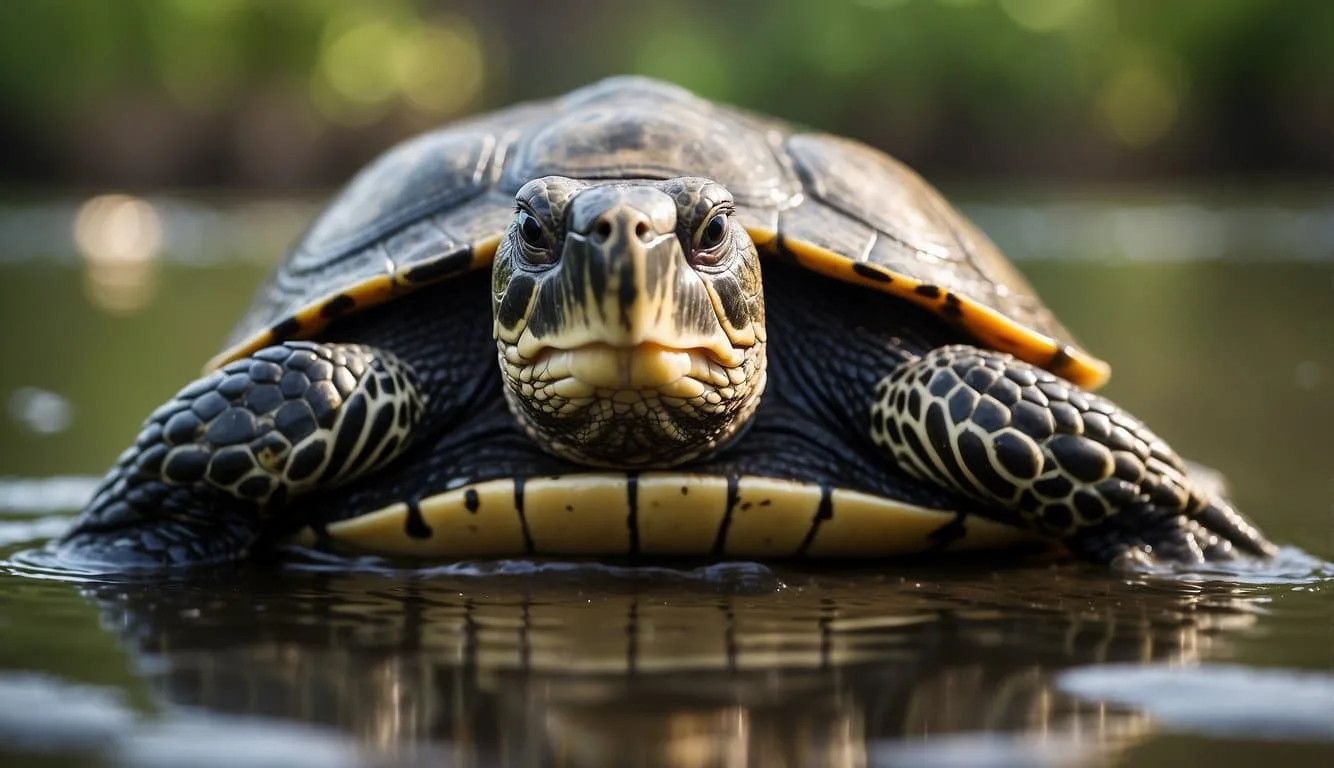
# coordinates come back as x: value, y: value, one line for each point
x: 1138, y: 104
x: 120, y: 239
x: 440, y: 67
x: 118, y: 228
x: 357, y: 62
x: 1042, y: 15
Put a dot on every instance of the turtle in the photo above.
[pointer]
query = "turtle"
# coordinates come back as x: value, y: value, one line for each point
x: 632, y: 322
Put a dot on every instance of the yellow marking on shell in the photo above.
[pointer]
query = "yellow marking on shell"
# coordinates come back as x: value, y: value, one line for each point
x: 771, y: 517
x: 311, y: 319
x: 492, y: 526
x: 869, y: 526
x: 991, y: 327
x: 578, y: 514
x: 680, y: 513
x: 589, y: 514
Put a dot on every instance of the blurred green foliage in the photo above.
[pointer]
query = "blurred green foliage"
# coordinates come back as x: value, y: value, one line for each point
x: 1205, y: 85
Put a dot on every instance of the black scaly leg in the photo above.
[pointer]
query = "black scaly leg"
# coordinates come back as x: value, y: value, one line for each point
x: 211, y: 465
x: 1072, y: 464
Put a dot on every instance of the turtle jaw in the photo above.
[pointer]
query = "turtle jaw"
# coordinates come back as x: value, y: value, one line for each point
x: 632, y: 407
x: 616, y: 349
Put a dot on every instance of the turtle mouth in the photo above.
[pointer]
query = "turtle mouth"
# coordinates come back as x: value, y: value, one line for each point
x: 633, y: 406
x: 601, y: 369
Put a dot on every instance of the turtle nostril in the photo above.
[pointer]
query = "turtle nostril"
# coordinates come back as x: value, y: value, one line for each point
x: 642, y: 230
x: 602, y: 230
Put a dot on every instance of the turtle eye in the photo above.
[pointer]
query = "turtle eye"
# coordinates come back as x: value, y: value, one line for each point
x: 536, y: 248
x: 709, y: 237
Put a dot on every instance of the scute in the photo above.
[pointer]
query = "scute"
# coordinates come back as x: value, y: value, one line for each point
x: 635, y: 128
x: 436, y: 205
x: 426, y: 174
x: 917, y: 232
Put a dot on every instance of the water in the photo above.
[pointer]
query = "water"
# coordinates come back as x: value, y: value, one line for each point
x: 1218, y: 319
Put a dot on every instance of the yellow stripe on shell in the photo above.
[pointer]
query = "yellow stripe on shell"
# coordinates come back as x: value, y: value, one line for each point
x: 589, y: 514
x: 312, y: 318
x: 989, y: 326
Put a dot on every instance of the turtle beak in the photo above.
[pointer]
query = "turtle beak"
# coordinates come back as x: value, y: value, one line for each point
x: 624, y: 282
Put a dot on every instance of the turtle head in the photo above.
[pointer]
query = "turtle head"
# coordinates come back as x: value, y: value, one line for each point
x: 629, y: 317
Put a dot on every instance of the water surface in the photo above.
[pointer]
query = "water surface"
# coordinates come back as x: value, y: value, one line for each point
x: 1218, y: 318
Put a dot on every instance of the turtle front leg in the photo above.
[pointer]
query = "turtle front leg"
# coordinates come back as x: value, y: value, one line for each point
x: 1066, y: 462
x: 212, y: 465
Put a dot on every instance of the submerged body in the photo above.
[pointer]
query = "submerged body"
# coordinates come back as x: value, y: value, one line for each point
x: 701, y: 333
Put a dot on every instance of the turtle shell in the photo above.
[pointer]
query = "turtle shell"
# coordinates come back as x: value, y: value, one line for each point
x: 436, y: 206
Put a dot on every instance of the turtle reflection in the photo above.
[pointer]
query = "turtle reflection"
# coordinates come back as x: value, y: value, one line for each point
x: 595, y: 666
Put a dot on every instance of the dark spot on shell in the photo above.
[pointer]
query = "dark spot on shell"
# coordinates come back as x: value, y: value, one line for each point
x: 286, y: 329
x: 929, y: 291
x: 338, y: 305
x: 1061, y: 358
x: 471, y: 501
x: 415, y: 525
x: 872, y: 273
x: 439, y: 267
